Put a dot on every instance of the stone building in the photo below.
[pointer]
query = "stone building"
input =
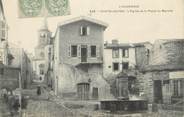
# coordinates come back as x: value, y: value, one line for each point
x: 20, y: 60
x: 118, y: 57
x: 9, y: 77
x: 10, y: 67
x: 43, y: 54
x: 163, y: 77
x: 122, y: 63
x: 3, y: 36
x: 79, y: 59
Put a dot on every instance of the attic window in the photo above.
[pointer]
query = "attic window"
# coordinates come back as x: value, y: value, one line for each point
x: 84, y: 30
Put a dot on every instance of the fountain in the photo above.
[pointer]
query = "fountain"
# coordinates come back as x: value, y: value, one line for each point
x: 124, y: 102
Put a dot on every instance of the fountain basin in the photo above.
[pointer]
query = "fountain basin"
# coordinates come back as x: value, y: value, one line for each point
x: 124, y: 105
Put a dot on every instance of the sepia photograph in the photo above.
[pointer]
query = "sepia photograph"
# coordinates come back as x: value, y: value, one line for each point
x: 91, y: 58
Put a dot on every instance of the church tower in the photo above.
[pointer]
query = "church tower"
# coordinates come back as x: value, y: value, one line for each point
x: 44, y: 34
x: 44, y: 39
x: 40, y: 59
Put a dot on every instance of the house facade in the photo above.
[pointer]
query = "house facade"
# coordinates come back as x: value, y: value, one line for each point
x: 163, y: 77
x: 3, y: 36
x: 118, y: 57
x: 122, y: 65
x: 79, y: 48
x: 14, y: 62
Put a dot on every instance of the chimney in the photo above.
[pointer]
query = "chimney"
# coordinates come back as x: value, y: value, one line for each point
x: 114, y: 41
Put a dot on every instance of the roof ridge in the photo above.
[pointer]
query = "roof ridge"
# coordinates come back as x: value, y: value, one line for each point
x: 75, y: 19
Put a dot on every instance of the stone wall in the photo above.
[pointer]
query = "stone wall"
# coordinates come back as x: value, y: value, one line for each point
x: 168, y: 52
x: 9, y: 78
x: 68, y: 77
x: 22, y: 61
x: 146, y: 84
x: 141, y: 57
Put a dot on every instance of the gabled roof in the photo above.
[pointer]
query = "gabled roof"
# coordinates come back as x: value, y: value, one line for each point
x: 84, y: 18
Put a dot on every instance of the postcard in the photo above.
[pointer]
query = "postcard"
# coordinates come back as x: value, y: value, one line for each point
x: 91, y: 58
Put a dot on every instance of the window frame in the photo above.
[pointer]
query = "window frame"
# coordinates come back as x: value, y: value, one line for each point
x: 113, y: 64
x: 94, y: 51
x: 76, y: 51
x: 114, y: 54
x: 124, y: 52
x: 123, y: 63
x: 84, y: 30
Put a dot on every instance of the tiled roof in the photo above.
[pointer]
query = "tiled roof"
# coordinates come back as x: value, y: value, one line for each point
x: 119, y: 45
x: 163, y: 67
x: 125, y: 45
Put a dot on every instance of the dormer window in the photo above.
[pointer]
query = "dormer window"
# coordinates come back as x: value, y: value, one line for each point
x: 84, y: 30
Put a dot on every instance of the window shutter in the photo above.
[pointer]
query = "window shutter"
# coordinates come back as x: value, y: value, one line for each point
x: 79, y: 50
x: 88, y: 30
x: 127, y: 52
x: 97, y: 51
x: 69, y: 51
x: 81, y: 30
x: 89, y: 51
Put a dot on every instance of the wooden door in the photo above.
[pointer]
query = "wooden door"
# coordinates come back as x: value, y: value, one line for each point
x: 84, y: 53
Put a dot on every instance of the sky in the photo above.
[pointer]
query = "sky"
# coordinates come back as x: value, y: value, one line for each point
x: 126, y: 27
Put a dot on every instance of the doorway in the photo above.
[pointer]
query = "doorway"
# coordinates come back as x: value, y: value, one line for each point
x: 158, y: 98
x: 95, y: 93
x: 84, y: 53
x: 83, y: 91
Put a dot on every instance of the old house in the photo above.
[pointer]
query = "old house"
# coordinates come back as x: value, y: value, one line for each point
x: 3, y: 36
x: 163, y: 77
x: 118, y: 57
x: 9, y: 77
x: 20, y: 60
x: 119, y: 67
x: 122, y: 64
x: 79, y: 59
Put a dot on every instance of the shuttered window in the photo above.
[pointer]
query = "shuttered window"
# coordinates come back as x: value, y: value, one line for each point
x: 98, y: 50
x: 84, y: 30
x: 93, y: 51
x: 79, y: 50
x: 125, y: 53
x: 69, y: 51
x: 74, y: 51
x: 115, y: 53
